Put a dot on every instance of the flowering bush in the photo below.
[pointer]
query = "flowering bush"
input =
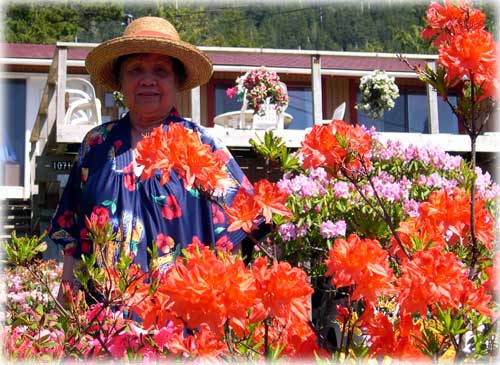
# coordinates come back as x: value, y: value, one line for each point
x: 378, y: 92
x: 25, y: 295
x: 257, y: 85
x: 209, y: 305
x: 372, y: 219
x: 327, y: 206
x: 397, y: 242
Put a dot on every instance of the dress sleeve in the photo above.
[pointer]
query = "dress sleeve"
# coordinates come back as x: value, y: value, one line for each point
x: 63, y: 228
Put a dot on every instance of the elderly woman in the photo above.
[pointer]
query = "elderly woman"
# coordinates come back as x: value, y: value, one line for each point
x: 149, y: 64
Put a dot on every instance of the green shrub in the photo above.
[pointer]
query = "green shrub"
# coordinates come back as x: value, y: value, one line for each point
x: 21, y: 251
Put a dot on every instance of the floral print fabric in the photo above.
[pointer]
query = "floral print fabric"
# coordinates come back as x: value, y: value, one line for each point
x: 142, y: 213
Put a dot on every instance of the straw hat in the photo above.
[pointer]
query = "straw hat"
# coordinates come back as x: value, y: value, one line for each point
x: 148, y: 35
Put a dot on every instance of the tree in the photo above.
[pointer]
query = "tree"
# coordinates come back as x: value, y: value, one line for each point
x: 99, y: 21
x: 34, y: 23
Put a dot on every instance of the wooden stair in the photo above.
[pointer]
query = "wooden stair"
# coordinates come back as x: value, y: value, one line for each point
x: 15, y: 215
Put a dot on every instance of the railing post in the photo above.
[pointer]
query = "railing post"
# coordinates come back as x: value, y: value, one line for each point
x: 316, y: 89
x: 432, y: 99
x: 196, y: 105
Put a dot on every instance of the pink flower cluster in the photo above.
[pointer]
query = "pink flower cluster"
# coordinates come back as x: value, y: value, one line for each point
x: 331, y: 229
x: 260, y: 84
x: 432, y: 155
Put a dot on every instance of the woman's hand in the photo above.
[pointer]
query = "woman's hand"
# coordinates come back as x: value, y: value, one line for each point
x: 67, y: 275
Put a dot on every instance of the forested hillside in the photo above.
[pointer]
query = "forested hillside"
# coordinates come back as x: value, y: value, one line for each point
x: 375, y: 26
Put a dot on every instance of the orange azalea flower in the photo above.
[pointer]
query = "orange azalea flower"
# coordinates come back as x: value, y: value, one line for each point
x: 396, y: 339
x: 485, y: 224
x: 297, y: 340
x: 282, y: 292
x: 362, y: 263
x: 271, y: 199
x: 334, y: 145
x: 471, y: 55
x: 302, y: 343
x: 153, y: 152
x: 432, y: 276
x: 320, y: 148
x: 243, y: 212
x: 205, y: 288
x: 444, y: 219
x: 381, y: 334
x: 358, y: 140
x: 181, y: 149
x: 476, y: 298
x: 200, y: 167
x: 450, y: 18
x: 203, y: 344
x: 154, y: 310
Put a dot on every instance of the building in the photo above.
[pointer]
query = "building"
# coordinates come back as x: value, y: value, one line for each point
x: 38, y: 147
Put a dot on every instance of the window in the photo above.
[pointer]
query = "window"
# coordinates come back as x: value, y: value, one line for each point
x: 300, y: 107
x: 12, y: 136
x: 411, y: 114
x: 224, y: 103
x: 448, y: 122
x: 299, y: 103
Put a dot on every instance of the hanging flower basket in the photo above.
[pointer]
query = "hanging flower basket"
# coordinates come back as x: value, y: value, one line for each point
x: 378, y: 93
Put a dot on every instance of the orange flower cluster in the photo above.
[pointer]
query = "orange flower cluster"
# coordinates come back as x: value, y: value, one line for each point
x: 466, y: 49
x: 180, y: 149
x: 246, y: 209
x: 396, y: 339
x: 431, y: 276
x: 450, y: 18
x: 210, y: 292
x: 205, y: 288
x: 336, y: 145
x: 444, y: 219
x: 437, y: 277
x: 363, y: 264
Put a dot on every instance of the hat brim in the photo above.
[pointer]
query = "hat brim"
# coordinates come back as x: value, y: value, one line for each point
x: 100, y: 61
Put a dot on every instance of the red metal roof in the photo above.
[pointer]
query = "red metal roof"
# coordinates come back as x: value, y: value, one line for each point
x: 44, y: 51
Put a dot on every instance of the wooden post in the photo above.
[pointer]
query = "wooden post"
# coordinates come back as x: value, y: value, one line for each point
x: 432, y: 99
x: 196, y: 105
x: 61, y: 87
x: 316, y: 89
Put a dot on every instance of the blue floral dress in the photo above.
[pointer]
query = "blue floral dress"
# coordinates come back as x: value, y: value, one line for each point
x: 142, y: 213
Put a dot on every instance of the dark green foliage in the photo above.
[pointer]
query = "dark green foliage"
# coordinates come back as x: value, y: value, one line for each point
x: 373, y: 26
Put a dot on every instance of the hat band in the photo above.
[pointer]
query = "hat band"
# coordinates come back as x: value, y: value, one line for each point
x: 150, y: 33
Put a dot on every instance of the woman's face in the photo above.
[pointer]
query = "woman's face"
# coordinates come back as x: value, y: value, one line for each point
x: 149, y: 85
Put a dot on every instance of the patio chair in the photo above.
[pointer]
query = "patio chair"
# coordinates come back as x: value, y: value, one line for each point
x: 82, y: 105
x: 271, y: 117
x: 339, y: 112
